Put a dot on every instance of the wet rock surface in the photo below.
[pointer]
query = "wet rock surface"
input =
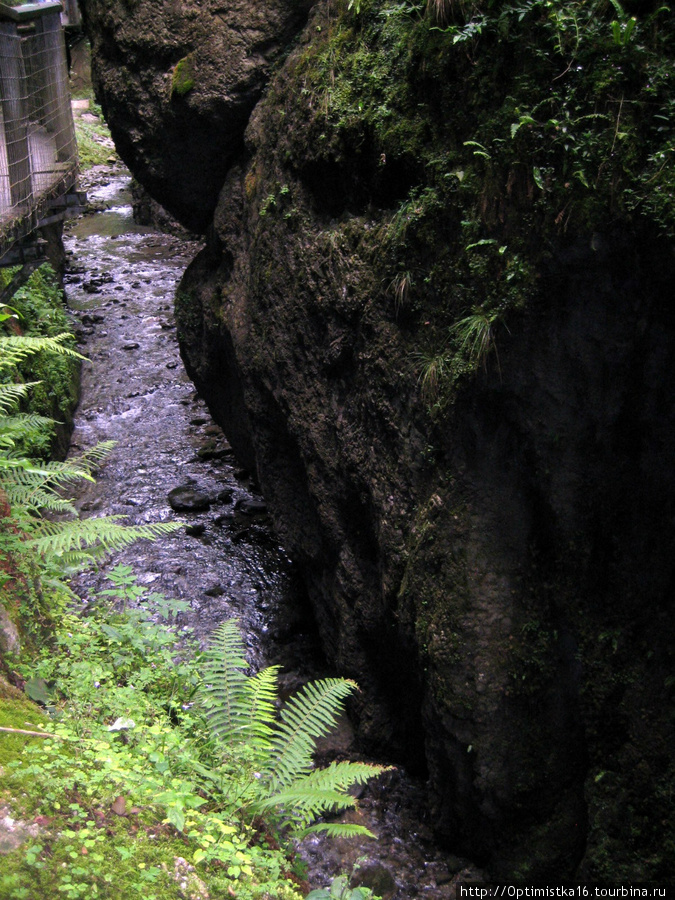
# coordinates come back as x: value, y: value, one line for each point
x: 227, y: 560
x: 178, y: 100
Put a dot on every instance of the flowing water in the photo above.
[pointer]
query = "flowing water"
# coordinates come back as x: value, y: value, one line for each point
x: 226, y: 561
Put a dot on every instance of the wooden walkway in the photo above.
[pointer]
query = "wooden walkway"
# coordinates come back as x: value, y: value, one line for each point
x: 38, y: 152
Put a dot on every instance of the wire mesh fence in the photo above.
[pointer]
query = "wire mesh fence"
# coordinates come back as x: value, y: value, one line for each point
x: 38, y: 152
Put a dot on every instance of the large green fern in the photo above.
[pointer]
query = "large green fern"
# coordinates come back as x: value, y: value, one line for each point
x: 32, y: 487
x: 275, y: 751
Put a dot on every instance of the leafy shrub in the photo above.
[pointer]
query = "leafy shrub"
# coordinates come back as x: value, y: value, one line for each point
x: 139, y: 772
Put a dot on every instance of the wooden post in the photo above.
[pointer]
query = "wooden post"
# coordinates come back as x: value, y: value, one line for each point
x: 12, y: 98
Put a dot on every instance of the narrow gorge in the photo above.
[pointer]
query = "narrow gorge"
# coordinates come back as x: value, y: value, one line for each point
x: 433, y: 316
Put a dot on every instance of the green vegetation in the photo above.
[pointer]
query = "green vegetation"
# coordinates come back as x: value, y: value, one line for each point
x: 156, y: 757
x: 274, y: 774
x: 94, y: 144
x: 159, y: 767
x: 31, y: 543
x: 340, y: 890
x: 37, y: 310
x: 118, y: 791
x: 491, y: 135
x: 182, y: 76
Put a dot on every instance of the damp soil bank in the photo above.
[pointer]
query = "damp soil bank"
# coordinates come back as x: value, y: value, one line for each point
x: 226, y: 561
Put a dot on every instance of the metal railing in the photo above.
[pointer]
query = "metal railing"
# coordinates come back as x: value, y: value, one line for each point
x: 38, y: 152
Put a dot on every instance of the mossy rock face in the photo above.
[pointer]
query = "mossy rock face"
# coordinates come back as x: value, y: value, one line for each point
x: 178, y: 96
x: 16, y: 711
x: 451, y: 540
x: 434, y: 317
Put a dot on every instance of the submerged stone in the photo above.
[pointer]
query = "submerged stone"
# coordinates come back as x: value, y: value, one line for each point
x: 188, y: 498
x: 195, y: 530
x: 251, y: 506
x: 212, y: 451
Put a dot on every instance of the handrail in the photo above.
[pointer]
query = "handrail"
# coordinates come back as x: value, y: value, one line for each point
x: 29, y: 11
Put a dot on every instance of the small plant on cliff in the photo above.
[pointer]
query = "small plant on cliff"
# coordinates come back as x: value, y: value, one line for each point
x: 274, y: 775
x: 475, y: 336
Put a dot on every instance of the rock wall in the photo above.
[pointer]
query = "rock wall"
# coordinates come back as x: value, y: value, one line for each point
x: 177, y: 80
x: 492, y: 560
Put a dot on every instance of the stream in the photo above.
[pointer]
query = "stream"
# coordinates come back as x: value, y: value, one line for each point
x: 226, y: 561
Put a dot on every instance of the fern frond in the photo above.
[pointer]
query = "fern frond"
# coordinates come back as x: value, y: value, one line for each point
x: 322, y: 791
x: 14, y: 348
x: 74, y: 561
x: 92, y: 458
x: 335, y: 830
x: 224, y: 694
x: 29, y: 499
x: 308, y: 715
x: 262, y: 690
x: 59, y: 538
x: 32, y: 486
x: 306, y: 803
x: 342, y: 775
x: 23, y: 425
x: 240, y: 709
x: 32, y: 472
x: 11, y: 394
x: 267, y: 765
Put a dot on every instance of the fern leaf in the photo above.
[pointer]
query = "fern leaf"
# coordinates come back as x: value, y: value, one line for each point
x: 224, y: 692
x: 335, y: 830
x: 58, y: 473
x: 11, y: 394
x: 92, y: 458
x: 322, y: 791
x: 241, y: 712
x: 30, y: 499
x: 24, y: 425
x: 59, y: 538
x: 14, y: 348
x: 262, y: 692
x: 306, y: 803
x: 309, y: 715
x: 342, y: 775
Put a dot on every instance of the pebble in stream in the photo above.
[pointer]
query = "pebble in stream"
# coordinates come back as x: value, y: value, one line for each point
x: 172, y: 462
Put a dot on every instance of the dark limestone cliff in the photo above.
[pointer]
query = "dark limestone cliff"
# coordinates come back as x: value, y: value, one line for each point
x: 177, y: 80
x: 487, y: 535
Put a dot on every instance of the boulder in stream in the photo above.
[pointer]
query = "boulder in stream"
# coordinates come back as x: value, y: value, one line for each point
x: 189, y: 498
x: 251, y: 506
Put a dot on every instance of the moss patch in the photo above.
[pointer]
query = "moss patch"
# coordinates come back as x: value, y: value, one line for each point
x: 183, y: 76
x: 17, y: 711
